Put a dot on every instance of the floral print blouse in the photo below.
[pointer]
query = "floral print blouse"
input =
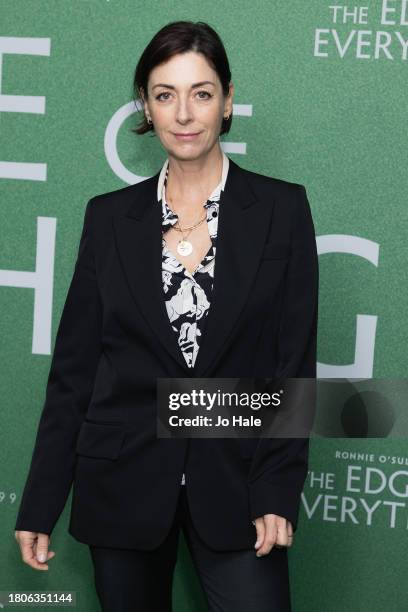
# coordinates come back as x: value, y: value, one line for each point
x: 188, y: 295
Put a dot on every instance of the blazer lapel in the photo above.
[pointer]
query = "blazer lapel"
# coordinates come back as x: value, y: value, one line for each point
x: 242, y: 229
x: 139, y: 243
x: 243, y: 225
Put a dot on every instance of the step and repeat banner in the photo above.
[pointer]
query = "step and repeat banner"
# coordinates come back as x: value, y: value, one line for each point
x: 320, y: 99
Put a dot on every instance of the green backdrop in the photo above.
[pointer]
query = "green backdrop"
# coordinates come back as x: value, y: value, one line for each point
x: 320, y: 99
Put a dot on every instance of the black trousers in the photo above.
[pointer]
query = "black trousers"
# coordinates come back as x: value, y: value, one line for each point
x: 236, y: 581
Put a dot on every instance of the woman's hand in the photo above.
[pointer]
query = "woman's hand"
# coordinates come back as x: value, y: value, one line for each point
x: 34, y: 548
x: 272, y: 530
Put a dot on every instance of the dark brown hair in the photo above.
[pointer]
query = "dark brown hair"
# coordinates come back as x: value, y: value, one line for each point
x: 180, y: 37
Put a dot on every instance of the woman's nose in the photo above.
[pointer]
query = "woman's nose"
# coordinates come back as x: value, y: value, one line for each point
x: 183, y: 112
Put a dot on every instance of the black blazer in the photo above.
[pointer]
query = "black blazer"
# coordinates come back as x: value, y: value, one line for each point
x: 98, y: 424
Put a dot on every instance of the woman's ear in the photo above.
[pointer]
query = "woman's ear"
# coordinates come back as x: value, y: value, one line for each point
x: 145, y: 109
x: 229, y: 100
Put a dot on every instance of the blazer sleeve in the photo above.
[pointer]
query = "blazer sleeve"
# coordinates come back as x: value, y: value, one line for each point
x: 69, y: 389
x: 279, y: 467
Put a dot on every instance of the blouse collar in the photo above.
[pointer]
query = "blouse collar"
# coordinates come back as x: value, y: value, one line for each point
x: 215, y: 193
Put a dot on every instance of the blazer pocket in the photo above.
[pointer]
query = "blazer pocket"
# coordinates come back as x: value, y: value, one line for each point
x: 100, y: 440
x: 276, y: 250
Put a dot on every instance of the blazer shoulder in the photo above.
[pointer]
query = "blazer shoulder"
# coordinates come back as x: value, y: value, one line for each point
x: 288, y: 196
x: 279, y: 185
x: 117, y: 201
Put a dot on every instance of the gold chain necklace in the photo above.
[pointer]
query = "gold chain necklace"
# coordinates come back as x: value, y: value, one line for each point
x: 185, y: 247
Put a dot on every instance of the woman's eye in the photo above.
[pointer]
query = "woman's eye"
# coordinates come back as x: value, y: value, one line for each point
x: 206, y: 93
x: 166, y: 93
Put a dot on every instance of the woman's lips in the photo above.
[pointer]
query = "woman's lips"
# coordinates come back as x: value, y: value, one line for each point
x: 187, y: 136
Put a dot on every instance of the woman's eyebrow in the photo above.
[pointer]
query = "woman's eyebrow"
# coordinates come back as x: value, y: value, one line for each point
x: 200, y: 84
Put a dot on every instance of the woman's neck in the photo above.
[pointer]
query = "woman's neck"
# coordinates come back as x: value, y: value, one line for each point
x: 192, y: 181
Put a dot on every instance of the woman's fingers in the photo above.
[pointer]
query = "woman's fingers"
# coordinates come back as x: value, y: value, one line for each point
x: 50, y: 553
x: 270, y: 534
x: 272, y: 530
x: 290, y: 533
x: 34, y: 548
x: 260, y: 532
x: 42, y: 547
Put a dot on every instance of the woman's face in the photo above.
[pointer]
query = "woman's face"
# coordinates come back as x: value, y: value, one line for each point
x: 185, y: 97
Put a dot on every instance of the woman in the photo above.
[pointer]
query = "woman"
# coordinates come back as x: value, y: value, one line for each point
x: 203, y: 270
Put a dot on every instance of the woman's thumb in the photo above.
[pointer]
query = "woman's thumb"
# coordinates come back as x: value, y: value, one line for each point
x: 260, y: 533
x: 42, y: 547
